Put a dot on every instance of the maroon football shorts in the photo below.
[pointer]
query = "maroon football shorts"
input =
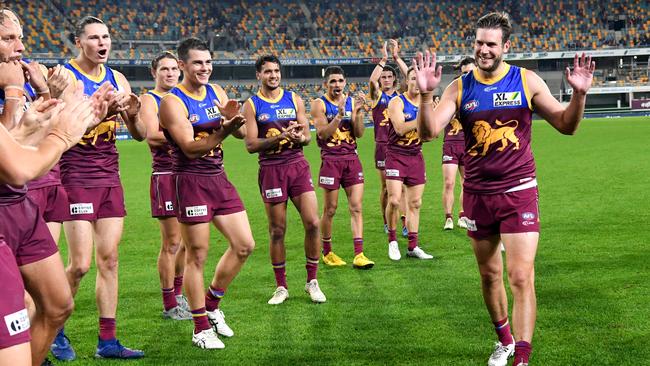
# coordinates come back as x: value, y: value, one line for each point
x: 380, y: 156
x: 52, y: 201
x: 452, y: 153
x: 406, y: 168
x: 162, y: 195
x: 26, y: 232
x: 280, y: 182
x: 94, y: 203
x: 14, y: 320
x: 503, y: 213
x: 340, y: 173
x: 201, y: 197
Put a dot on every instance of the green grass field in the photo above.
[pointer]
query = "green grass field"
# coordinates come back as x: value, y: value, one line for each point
x: 592, y: 270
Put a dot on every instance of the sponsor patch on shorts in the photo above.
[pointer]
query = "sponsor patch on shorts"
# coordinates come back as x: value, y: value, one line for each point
x: 273, y: 193
x: 81, y: 208
x: 392, y: 173
x: 17, y: 322
x: 381, y: 163
x: 196, y: 211
x: 471, y: 224
x: 447, y: 158
x: 169, y: 206
x: 326, y: 180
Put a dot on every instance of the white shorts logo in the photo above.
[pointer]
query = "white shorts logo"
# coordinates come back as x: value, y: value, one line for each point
x: 196, y: 211
x: 273, y: 193
x: 471, y: 225
x: 392, y: 173
x: 81, y: 208
x: 17, y: 322
x: 169, y: 206
x: 326, y: 180
x: 381, y: 163
x: 447, y: 158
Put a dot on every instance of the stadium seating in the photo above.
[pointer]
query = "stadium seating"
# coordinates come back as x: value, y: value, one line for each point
x: 336, y: 28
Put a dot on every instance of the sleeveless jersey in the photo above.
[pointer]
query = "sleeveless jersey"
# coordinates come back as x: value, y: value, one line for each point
x: 273, y: 116
x: 93, y: 162
x: 161, y: 156
x: 497, y: 116
x: 205, y: 119
x: 342, y: 144
x: 410, y: 143
x: 380, y: 117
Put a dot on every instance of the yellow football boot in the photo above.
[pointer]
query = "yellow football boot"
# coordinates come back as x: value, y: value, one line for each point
x: 362, y: 262
x: 333, y: 260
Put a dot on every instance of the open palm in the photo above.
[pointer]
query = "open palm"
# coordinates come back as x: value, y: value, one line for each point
x: 582, y: 75
x: 427, y: 74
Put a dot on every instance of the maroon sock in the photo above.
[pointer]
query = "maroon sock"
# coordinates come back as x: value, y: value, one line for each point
x: 178, y: 285
x: 392, y: 235
x: 522, y: 352
x: 461, y: 214
x: 502, y: 327
x: 448, y: 216
x: 358, y: 245
x: 403, y: 220
x: 413, y: 240
x: 201, y: 321
x: 327, y: 245
x: 280, y: 274
x: 312, y: 268
x: 106, y: 329
x: 213, y: 297
x: 169, y: 299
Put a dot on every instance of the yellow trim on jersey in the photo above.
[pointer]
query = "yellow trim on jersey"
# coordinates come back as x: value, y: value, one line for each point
x: 400, y: 101
x: 329, y: 100
x: 293, y: 99
x: 214, y: 89
x: 250, y: 100
x: 198, y: 98
x: 410, y: 101
x: 351, y: 102
x: 97, y: 79
x: 524, y: 82
x: 154, y: 99
x: 322, y: 101
x: 170, y: 95
x: 459, y: 97
x: 157, y: 93
x: 259, y: 94
x: 492, y: 80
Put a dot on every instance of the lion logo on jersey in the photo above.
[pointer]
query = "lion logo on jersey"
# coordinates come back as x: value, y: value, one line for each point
x: 411, y: 137
x: 486, y: 135
x: 275, y: 132
x: 339, y: 137
x: 384, y: 122
x: 456, y: 127
x: 106, y: 127
x: 200, y: 136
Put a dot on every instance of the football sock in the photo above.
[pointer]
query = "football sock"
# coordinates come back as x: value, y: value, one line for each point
x: 502, y: 327
x: 392, y: 236
x: 358, y: 245
x: 200, y: 318
x: 522, y: 352
x: 169, y: 299
x: 178, y: 285
x: 106, y: 329
x: 213, y: 297
x: 312, y: 268
x: 413, y: 240
x: 280, y: 274
x: 327, y: 245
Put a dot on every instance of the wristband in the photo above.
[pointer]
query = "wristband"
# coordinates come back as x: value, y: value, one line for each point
x: 18, y: 87
x: 63, y: 136
x: 18, y: 99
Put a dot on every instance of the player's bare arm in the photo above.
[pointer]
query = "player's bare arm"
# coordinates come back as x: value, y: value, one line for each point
x: 301, y: 133
x: 396, y: 115
x: 374, y: 88
x: 394, y: 45
x: 358, y: 113
x: 149, y: 117
x: 255, y: 144
x: 172, y: 117
x: 12, y: 82
x: 431, y: 122
x: 325, y: 129
x: 564, y: 119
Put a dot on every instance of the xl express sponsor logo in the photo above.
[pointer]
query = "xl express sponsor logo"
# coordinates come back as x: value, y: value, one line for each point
x: 511, y: 99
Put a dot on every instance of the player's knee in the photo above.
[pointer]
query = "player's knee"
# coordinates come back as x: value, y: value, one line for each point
x: 171, y: 246
x: 246, y: 249
x: 57, y: 312
x: 415, y: 203
x: 449, y: 184
x: 108, y: 263
x: 520, y: 278
x: 330, y: 210
x: 277, y: 233
x: 312, y: 225
x: 196, y: 257
x: 491, y: 276
x: 79, y: 270
x: 394, y: 200
x: 355, y: 208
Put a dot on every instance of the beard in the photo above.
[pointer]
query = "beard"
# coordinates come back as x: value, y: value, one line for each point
x: 495, y: 64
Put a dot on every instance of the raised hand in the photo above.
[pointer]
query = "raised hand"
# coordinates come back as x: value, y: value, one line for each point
x: 132, y: 106
x: 359, y: 101
x: 228, y: 110
x: 384, y: 51
x: 58, y: 80
x: 582, y: 75
x: 427, y: 74
x: 74, y: 119
x: 100, y: 101
x: 341, y: 107
x: 34, y: 76
x: 394, y: 48
x: 11, y: 74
